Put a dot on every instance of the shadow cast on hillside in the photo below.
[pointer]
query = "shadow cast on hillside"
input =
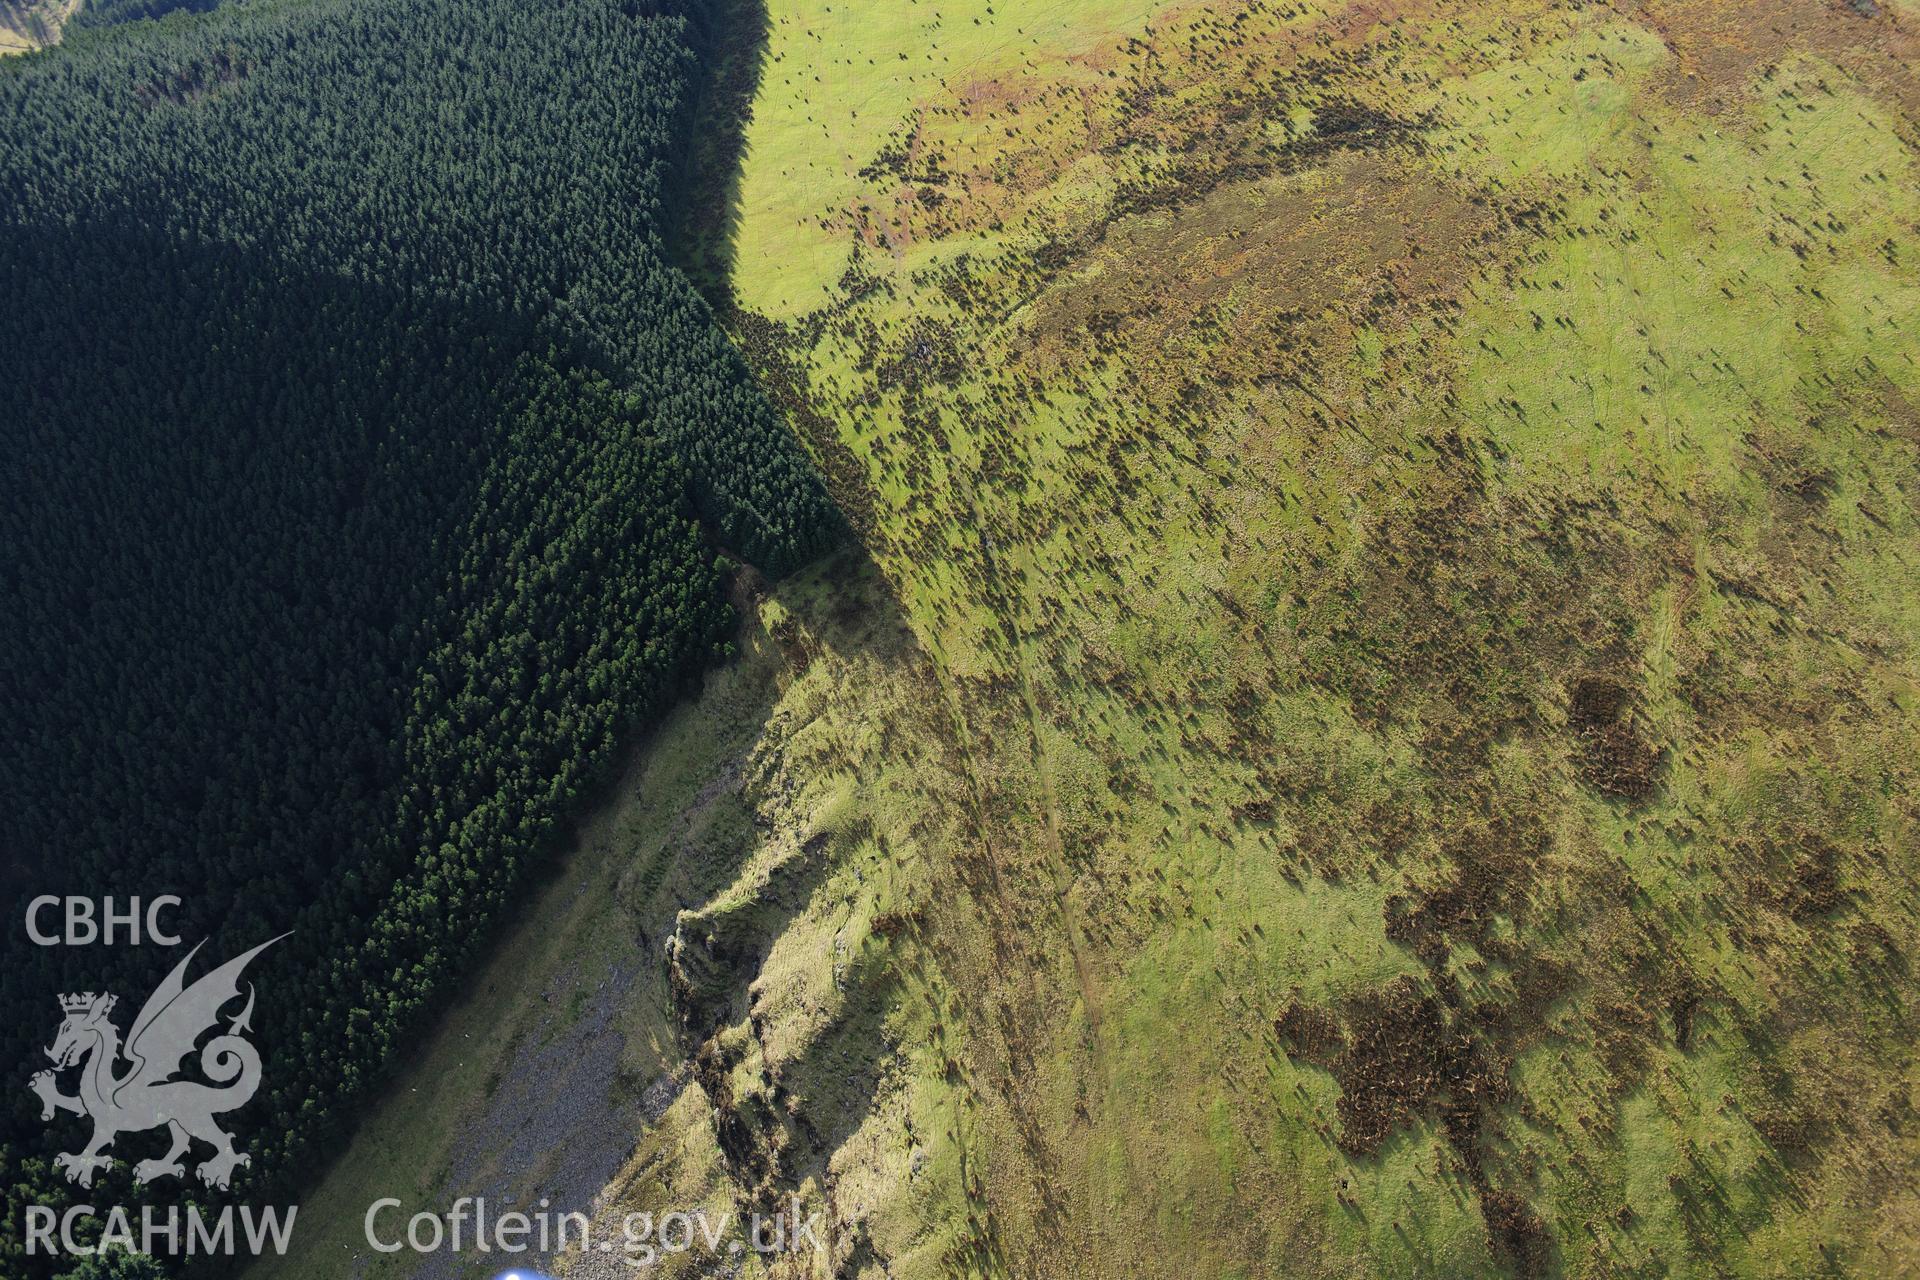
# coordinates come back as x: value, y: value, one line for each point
x: 730, y: 38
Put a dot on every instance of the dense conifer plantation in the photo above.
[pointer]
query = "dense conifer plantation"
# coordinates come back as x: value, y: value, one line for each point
x: 365, y: 463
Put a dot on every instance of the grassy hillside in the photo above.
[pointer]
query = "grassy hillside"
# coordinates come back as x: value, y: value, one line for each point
x: 1413, y: 511
x: 1395, y: 754
x: 26, y: 25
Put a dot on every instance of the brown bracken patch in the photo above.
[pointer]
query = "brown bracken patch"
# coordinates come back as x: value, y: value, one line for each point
x: 1310, y: 1031
x: 1719, y: 48
x: 1614, y: 758
x: 1401, y: 1060
x: 1400, y: 1057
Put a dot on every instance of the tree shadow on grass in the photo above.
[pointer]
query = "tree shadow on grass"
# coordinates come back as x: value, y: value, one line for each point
x: 730, y: 38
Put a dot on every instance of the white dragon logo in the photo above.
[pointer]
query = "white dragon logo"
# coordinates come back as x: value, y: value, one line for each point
x: 146, y: 1096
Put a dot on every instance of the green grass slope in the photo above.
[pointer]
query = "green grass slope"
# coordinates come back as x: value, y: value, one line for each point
x: 1395, y: 751
x: 26, y: 25
x: 1413, y: 512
